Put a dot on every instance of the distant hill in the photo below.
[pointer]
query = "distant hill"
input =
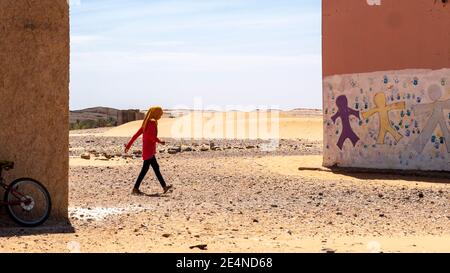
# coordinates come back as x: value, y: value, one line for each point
x: 306, y: 112
x: 97, y: 117
x: 93, y: 114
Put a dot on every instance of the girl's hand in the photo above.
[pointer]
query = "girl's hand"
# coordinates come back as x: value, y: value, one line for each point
x: 126, y: 149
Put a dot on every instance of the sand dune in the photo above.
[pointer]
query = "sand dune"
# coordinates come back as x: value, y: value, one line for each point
x: 232, y: 125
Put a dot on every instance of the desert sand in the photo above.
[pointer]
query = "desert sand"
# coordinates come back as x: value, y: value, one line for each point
x: 237, y: 195
x: 284, y: 125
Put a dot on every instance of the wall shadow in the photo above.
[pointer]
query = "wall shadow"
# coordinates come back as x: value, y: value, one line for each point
x: 412, y: 176
x: 9, y: 228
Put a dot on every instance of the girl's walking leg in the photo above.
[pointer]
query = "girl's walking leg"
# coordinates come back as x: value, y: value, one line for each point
x: 142, y: 175
x: 155, y: 167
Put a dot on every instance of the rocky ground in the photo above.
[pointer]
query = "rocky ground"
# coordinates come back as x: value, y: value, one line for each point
x: 227, y: 197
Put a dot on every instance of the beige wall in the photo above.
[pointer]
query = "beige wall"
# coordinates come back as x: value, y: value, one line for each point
x: 396, y: 53
x: 34, y: 93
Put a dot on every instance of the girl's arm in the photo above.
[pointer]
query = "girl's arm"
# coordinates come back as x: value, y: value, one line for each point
x: 133, y: 139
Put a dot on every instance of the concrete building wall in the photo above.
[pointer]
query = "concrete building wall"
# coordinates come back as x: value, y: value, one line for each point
x: 386, y: 68
x: 34, y: 93
x: 125, y: 116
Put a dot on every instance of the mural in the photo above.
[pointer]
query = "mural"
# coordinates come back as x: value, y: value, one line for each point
x: 435, y: 111
x: 382, y: 109
x: 393, y: 119
x: 344, y: 113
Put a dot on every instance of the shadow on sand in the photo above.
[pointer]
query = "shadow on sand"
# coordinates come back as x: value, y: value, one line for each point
x: 374, y: 174
x: 156, y: 195
x: 8, y: 228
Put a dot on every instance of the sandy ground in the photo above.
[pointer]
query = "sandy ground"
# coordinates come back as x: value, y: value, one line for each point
x: 238, y: 197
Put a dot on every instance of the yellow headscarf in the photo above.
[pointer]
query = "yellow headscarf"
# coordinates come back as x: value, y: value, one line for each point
x: 152, y: 115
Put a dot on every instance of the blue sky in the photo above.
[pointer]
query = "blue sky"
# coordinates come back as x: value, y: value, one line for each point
x: 242, y: 53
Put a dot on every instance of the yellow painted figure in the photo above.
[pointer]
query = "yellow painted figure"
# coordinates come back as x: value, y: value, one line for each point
x: 382, y: 109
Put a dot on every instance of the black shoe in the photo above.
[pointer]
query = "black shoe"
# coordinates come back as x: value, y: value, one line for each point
x: 167, y: 188
x: 137, y: 192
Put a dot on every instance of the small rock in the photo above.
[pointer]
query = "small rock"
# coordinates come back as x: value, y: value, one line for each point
x: 201, y: 247
x: 421, y: 195
x: 108, y: 156
x: 86, y: 156
x: 166, y: 235
x: 204, y: 148
x: 274, y: 206
x: 255, y: 221
x: 174, y: 150
x: 329, y: 250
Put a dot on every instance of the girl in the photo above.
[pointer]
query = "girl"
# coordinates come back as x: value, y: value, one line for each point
x: 149, y: 130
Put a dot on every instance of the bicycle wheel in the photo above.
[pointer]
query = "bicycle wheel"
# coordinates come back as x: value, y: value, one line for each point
x: 28, y: 202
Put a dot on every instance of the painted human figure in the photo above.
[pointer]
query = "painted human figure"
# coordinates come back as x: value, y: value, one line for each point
x: 435, y: 111
x: 344, y: 112
x: 382, y: 109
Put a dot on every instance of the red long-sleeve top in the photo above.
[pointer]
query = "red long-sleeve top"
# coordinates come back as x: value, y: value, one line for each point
x: 150, y: 138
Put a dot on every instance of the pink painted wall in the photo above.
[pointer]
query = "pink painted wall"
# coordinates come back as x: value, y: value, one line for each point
x: 398, y: 34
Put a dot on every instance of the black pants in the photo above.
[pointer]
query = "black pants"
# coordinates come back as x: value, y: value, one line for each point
x: 147, y: 163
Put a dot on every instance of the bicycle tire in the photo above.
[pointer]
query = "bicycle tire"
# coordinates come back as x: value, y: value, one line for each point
x: 10, y: 208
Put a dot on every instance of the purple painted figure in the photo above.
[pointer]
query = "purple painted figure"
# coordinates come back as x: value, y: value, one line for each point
x: 344, y: 112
